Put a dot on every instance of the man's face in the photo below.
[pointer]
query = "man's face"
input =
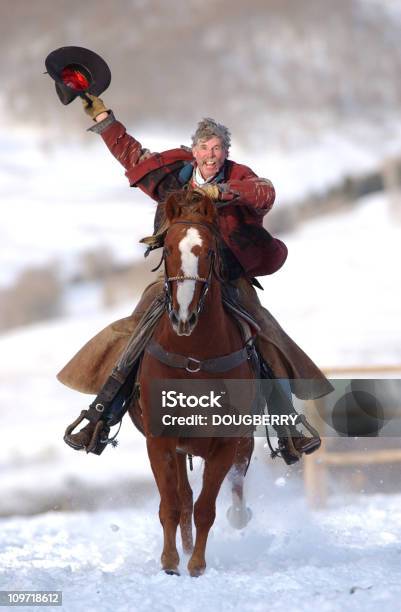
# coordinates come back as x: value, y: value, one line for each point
x: 210, y: 156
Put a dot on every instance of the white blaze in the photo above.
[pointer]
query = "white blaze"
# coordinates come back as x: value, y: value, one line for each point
x: 189, y: 266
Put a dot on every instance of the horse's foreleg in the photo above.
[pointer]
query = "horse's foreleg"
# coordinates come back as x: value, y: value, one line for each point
x: 216, y: 468
x: 238, y: 514
x: 186, y: 498
x: 163, y: 460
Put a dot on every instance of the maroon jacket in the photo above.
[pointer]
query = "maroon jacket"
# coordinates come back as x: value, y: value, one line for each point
x: 240, y: 220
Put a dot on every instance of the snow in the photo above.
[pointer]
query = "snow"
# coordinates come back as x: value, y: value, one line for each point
x: 286, y: 559
x: 36, y: 408
x: 336, y: 294
x: 325, y: 161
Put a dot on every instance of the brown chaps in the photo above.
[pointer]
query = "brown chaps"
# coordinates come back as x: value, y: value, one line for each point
x: 89, y: 369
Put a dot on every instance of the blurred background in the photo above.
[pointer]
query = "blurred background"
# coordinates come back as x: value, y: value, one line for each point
x: 311, y: 91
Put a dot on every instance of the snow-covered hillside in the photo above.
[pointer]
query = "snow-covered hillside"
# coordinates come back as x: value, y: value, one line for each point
x: 264, y: 66
x: 336, y: 294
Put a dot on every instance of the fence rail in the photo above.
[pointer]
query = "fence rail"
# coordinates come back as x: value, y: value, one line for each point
x: 316, y: 466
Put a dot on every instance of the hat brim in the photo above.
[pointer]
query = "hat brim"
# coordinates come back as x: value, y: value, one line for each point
x: 92, y: 66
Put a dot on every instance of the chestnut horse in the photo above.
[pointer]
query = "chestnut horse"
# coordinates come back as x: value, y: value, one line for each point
x: 194, y: 325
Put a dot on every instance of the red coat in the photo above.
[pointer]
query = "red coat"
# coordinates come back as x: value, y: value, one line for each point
x: 241, y: 223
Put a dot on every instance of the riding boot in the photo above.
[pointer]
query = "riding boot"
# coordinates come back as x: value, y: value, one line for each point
x: 81, y: 439
x: 292, y: 443
x: 106, y: 410
x: 92, y: 438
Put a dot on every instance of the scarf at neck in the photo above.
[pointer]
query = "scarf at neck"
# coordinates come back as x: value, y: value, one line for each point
x: 197, y: 178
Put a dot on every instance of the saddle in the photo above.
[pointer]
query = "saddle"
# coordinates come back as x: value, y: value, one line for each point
x: 121, y: 390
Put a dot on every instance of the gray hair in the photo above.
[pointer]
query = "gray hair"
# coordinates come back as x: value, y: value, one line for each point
x: 207, y: 128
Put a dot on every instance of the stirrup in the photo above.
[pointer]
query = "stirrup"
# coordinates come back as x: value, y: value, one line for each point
x: 71, y: 428
x: 312, y: 430
x: 99, y: 438
x: 287, y: 449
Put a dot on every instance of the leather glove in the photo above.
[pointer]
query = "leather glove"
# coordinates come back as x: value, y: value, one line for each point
x: 212, y: 191
x: 95, y: 108
x: 227, y: 197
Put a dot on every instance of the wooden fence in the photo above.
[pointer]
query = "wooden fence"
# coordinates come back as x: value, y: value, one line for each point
x: 318, y: 465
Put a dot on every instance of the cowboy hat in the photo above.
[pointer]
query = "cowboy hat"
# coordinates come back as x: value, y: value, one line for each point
x: 77, y: 71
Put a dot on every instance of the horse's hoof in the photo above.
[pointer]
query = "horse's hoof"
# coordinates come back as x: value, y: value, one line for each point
x: 172, y: 572
x: 239, y: 517
x: 195, y: 572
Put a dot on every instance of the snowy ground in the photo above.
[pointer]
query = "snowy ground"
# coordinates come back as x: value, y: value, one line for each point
x: 346, y: 558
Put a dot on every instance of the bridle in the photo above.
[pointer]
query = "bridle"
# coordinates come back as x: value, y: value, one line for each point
x: 222, y: 363
x: 179, y: 278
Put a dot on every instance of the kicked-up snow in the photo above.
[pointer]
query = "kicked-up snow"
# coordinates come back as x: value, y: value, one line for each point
x: 345, y: 558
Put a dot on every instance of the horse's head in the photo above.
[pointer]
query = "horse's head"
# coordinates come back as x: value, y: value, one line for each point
x: 190, y: 252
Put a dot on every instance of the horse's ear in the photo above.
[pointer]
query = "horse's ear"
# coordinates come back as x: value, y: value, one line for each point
x: 173, y: 209
x: 207, y: 209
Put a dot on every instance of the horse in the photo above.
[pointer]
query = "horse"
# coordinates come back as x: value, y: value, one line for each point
x: 194, y: 325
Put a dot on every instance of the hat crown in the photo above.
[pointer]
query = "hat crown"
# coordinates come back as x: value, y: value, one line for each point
x: 77, y: 70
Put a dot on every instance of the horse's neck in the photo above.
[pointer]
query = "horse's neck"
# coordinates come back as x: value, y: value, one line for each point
x: 215, y: 333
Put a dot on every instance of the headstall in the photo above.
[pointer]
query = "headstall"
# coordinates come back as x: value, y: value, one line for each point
x: 183, y: 277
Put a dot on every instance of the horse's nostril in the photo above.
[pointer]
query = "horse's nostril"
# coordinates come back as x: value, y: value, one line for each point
x: 173, y: 317
x: 192, y: 319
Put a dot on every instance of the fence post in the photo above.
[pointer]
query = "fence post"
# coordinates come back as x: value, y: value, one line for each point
x: 391, y: 172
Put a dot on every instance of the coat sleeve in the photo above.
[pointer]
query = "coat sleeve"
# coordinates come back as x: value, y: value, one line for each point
x: 128, y: 151
x: 249, y: 190
x: 148, y: 171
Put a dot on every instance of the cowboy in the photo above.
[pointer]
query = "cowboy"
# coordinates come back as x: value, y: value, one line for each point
x: 241, y: 199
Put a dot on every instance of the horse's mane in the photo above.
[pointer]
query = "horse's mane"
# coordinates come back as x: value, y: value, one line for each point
x: 187, y: 204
